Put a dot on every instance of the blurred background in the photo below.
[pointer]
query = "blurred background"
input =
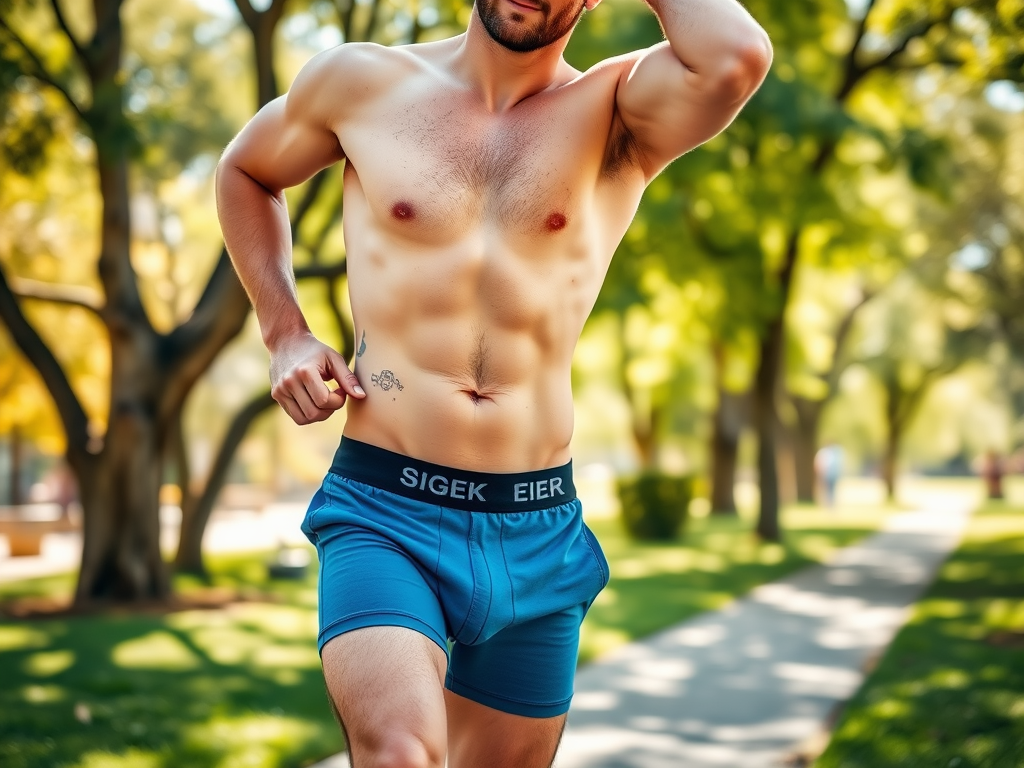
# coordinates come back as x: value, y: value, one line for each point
x: 829, y: 293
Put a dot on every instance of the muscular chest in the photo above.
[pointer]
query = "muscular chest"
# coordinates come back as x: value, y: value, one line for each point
x: 436, y: 169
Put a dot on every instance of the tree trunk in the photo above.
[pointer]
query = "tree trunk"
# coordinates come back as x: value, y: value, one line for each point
x: 805, y: 446
x: 725, y: 441
x: 765, y: 422
x: 121, y: 557
x: 765, y: 384
x: 17, y: 453
x: 785, y: 460
x: 644, y: 435
x: 893, y: 437
x: 890, y: 461
x: 189, y: 558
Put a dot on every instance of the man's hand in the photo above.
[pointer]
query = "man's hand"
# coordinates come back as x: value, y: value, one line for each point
x: 299, y: 368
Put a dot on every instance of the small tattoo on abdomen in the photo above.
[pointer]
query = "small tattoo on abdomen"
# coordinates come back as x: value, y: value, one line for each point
x: 386, y: 380
x: 362, y: 345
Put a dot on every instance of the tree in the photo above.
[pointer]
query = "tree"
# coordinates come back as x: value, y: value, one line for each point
x: 79, y: 61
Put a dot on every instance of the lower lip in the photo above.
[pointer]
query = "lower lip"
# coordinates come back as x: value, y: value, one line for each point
x: 524, y: 7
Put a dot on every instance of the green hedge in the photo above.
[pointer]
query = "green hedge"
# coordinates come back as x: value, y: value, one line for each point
x: 654, y: 506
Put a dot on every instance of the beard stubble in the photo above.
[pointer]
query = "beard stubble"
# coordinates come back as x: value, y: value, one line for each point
x: 515, y: 35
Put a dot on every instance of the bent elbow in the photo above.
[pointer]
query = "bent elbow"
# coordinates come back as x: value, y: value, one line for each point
x: 747, y: 68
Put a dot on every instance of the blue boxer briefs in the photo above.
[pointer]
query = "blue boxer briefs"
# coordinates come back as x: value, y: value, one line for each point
x: 501, y: 565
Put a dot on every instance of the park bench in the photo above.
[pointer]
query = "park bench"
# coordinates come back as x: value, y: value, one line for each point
x: 25, y: 525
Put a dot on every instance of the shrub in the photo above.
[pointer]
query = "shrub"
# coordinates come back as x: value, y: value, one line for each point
x: 654, y: 506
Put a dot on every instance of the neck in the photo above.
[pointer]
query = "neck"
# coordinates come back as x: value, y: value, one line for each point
x: 502, y: 77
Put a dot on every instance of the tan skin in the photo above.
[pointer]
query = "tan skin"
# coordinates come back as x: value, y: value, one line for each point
x: 485, y: 193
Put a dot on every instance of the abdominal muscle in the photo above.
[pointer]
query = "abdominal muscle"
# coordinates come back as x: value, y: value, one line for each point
x: 466, y: 347
x: 439, y: 419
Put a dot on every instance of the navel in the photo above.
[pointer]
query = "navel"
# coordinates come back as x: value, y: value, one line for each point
x: 402, y: 211
x: 555, y: 222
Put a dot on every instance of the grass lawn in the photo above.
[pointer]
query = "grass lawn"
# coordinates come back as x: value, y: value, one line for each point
x: 949, y: 692
x: 241, y: 686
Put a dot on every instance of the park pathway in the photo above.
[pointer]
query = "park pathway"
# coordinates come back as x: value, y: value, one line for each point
x: 752, y: 685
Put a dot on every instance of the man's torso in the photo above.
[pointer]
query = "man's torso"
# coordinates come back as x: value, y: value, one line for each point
x: 477, y: 242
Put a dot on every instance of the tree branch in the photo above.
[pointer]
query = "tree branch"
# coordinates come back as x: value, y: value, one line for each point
x: 850, y: 69
x: 63, y: 24
x: 831, y: 377
x: 218, y: 317
x: 71, y: 295
x: 249, y: 14
x: 39, y: 72
x: 371, y: 23
x: 31, y: 344
x: 322, y: 270
x: 308, y: 198
x: 346, y: 334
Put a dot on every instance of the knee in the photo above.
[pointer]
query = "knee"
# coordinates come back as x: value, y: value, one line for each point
x: 403, y: 751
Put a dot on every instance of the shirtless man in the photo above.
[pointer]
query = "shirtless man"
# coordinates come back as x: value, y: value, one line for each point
x: 487, y: 184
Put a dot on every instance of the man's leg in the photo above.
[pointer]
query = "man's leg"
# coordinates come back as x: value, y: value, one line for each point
x: 481, y: 736
x: 386, y: 683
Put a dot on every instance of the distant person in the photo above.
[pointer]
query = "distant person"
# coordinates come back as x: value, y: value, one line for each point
x: 828, y: 463
x: 487, y: 184
x: 992, y: 470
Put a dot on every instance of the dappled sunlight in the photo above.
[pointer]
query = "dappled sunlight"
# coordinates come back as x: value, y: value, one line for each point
x: 48, y: 663
x: 948, y: 678
x: 305, y: 656
x: 284, y: 622
x: 255, y: 740
x: 43, y: 694
x: 132, y: 758
x: 157, y: 650
x: 940, y: 609
x: 596, y: 641
x: 962, y: 571
x: 17, y: 638
x: 947, y: 691
x: 744, y: 686
x: 817, y: 679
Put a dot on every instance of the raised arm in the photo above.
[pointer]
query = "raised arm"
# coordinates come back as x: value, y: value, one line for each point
x: 680, y: 93
x: 288, y: 141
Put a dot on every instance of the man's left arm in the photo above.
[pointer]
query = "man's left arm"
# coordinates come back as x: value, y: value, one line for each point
x: 682, y: 92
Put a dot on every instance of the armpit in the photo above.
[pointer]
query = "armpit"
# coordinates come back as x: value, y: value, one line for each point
x: 623, y: 150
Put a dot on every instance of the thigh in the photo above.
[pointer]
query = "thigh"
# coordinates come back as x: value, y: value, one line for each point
x: 386, y: 687
x: 479, y: 735
x: 525, y: 669
x: 507, y: 697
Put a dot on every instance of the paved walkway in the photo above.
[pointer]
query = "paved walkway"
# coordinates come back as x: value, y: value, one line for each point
x: 750, y: 685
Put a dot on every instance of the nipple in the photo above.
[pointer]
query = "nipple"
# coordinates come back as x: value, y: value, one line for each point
x: 555, y: 222
x: 402, y: 211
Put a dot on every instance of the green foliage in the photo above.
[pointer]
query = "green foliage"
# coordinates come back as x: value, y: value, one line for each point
x: 655, y: 505
x: 948, y: 691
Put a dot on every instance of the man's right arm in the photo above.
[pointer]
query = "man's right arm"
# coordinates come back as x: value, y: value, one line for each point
x: 288, y: 141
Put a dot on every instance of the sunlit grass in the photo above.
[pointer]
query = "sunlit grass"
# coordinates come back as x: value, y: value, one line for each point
x: 242, y: 685
x: 950, y: 690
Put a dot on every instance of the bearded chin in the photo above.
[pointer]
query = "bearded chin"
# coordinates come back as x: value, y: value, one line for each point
x: 526, y: 41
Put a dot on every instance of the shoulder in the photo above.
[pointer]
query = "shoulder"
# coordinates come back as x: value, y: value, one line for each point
x: 342, y: 78
x: 611, y: 70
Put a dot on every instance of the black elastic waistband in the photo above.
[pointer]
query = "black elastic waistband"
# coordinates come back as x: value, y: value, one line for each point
x: 449, y: 487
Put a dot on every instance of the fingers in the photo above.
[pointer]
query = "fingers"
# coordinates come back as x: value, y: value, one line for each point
x: 347, y: 380
x: 305, y: 397
x: 300, y: 378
